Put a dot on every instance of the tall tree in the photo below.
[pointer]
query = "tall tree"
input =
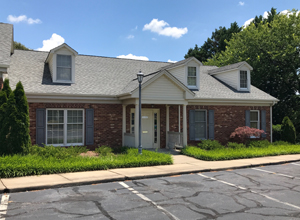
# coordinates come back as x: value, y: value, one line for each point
x: 6, y: 88
x: 20, y: 46
x: 215, y: 44
x: 271, y: 15
x: 272, y: 49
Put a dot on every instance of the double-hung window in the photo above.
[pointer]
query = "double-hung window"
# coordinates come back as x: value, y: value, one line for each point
x: 192, y: 76
x: 243, y: 79
x: 254, y: 119
x: 64, y: 67
x: 200, y: 124
x: 65, y: 127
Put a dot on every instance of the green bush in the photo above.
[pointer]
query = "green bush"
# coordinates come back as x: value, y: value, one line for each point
x: 280, y: 143
x: 288, y: 133
x: 259, y: 144
x: 104, y: 151
x: 210, y: 145
x: 276, y: 132
x: 56, y: 152
x: 234, y: 145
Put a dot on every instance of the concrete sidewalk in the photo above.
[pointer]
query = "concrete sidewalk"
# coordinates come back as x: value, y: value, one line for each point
x: 182, y: 165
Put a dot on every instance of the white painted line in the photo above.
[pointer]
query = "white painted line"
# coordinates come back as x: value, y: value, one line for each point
x: 149, y: 200
x: 3, y: 206
x: 296, y: 164
x: 252, y: 191
x: 278, y: 174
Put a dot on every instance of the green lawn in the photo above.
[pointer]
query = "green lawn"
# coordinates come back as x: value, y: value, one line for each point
x: 61, y: 160
x: 230, y: 154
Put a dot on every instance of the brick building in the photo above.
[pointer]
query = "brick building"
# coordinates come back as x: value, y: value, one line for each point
x: 92, y: 100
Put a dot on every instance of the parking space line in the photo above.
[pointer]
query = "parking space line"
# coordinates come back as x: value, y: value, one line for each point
x: 170, y: 215
x: 3, y: 206
x: 296, y: 164
x: 249, y: 190
x: 278, y: 174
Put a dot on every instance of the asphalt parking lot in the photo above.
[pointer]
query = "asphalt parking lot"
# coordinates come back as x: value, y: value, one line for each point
x: 269, y: 192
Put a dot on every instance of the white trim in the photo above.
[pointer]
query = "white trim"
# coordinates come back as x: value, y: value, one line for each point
x: 65, y: 127
x: 258, y: 118
x: 248, y: 89
x: 197, y: 77
x: 184, y: 63
x: 202, y: 110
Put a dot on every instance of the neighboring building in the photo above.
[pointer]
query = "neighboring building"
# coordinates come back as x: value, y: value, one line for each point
x: 91, y: 100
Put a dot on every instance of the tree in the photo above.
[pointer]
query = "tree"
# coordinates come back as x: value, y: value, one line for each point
x: 3, y: 100
x: 260, y: 19
x: 272, y: 49
x: 288, y: 131
x: 19, y: 46
x: 6, y: 88
x: 215, y: 44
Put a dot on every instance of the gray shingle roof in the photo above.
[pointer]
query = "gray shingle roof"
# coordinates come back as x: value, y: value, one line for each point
x: 177, y: 63
x: 228, y: 67
x: 6, y: 37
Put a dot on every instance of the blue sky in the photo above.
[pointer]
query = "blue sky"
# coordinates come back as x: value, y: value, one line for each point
x: 156, y: 30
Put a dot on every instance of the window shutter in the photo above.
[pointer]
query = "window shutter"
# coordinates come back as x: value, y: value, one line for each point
x: 89, y: 131
x: 263, y: 123
x: 247, y: 118
x: 192, y: 124
x: 40, y: 126
x: 211, y: 124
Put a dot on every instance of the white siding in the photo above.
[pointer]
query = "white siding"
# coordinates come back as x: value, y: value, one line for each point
x: 230, y: 78
x: 163, y: 88
x: 193, y: 63
x: 179, y: 73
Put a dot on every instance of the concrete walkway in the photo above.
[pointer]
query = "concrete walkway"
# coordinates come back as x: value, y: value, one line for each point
x: 182, y: 165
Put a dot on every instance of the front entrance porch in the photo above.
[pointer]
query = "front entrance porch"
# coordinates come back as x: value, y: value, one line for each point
x: 163, y: 126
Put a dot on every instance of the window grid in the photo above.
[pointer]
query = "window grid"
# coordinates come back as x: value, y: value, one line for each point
x: 64, y: 67
x: 132, y: 123
x: 243, y: 79
x: 200, y: 124
x: 254, y: 119
x: 192, y: 76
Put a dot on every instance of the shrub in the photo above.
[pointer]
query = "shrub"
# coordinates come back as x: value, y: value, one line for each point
x: 276, y: 132
x: 235, y: 145
x: 210, y: 145
x: 280, y: 143
x: 288, y: 133
x: 243, y: 134
x: 56, y: 152
x: 259, y: 144
x: 104, y: 151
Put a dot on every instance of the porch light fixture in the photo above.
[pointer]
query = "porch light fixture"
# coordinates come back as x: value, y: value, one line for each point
x: 140, y: 77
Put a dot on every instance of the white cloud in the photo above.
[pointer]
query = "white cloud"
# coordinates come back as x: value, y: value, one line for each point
x: 288, y: 12
x: 153, y: 38
x: 133, y: 57
x: 130, y: 36
x: 162, y: 28
x: 248, y: 22
x: 265, y: 15
x: 51, y: 43
x: 23, y: 18
x: 241, y: 3
x: 171, y: 61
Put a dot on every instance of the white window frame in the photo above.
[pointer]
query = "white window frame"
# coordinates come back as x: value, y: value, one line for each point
x: 248, y: 80
x: 197, y: 77
x: 244, y: 71
x: 66, y: 127
x: 201, y: 110
x: 63, y: 67
x: 54, y: 67
x: 258, y: 118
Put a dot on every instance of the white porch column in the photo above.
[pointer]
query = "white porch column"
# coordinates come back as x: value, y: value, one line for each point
x: 184, y: 126
x: 167, y: 124
x: 136, y: 125
x: 123, y: 124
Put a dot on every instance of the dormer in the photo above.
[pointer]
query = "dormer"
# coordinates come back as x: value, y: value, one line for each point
x: 187, y: 71
x: 61, y: 61
x: 236, y: 75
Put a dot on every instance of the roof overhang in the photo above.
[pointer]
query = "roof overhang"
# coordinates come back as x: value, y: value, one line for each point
x: 64, y: 45
x: 233, y: 69
x: 184, y: 63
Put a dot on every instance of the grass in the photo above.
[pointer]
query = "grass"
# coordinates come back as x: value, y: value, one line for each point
x: 230, y: 154
x: 51, y: 160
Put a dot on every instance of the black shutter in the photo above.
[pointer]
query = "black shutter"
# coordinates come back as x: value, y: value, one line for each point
x: 263, y: 123
x: 40, y: 126
x: 247, y: 118
x: 89, y: 127
x: 192, y: 124
x: 211, y: 124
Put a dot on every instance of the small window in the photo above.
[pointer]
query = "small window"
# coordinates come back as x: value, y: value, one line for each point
x: 65, y: 127
x: 200, y: 125
x: 243, y: 80
x: 254, y: 119
x: 64, y: 67
x: 132, y: 123
x: 192, y: 76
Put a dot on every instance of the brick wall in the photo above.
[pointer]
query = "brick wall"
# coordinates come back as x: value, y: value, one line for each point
x: 227, y: 119
x: 107, y: 121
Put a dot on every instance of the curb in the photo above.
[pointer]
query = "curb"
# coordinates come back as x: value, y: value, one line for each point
x: 44, y: 187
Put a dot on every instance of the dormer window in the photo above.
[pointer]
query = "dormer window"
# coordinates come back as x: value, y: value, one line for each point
x: 192, y: 76
x: 243, y: 79
x: 64, y: 67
